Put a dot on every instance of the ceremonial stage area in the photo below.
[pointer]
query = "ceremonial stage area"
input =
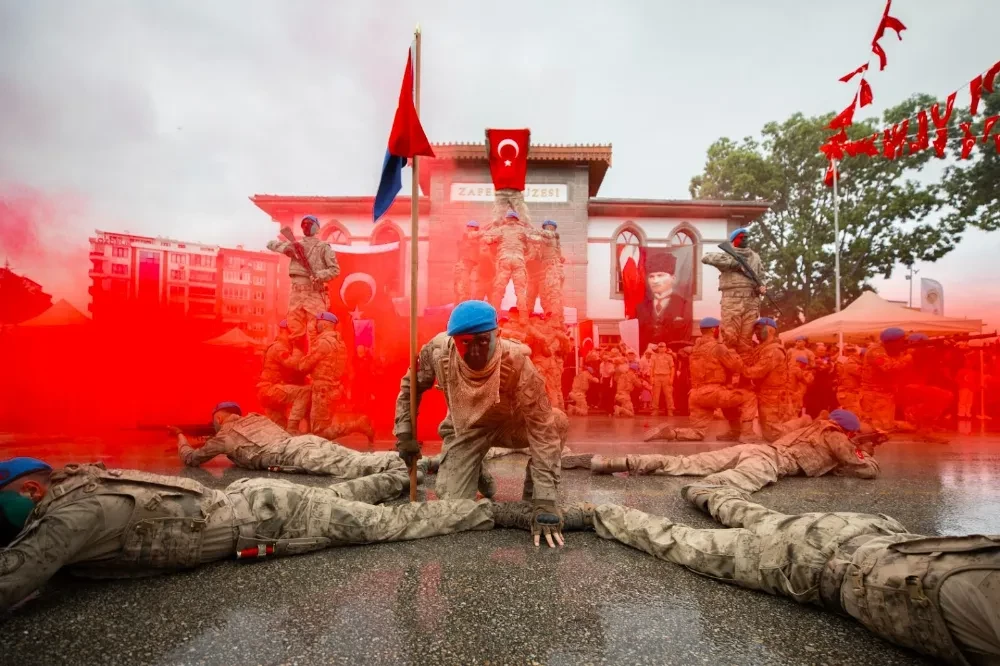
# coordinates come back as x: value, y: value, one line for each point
x: 491, y: 597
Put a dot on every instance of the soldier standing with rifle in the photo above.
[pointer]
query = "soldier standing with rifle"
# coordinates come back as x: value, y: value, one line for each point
x: 314, y: 263
x: 741, y: 288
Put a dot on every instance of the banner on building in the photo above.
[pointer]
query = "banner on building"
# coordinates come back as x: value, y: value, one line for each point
x: 665, y: 313
x: 931, y: 296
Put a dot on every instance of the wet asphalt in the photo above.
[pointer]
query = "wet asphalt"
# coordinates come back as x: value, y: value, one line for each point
x: 491, y: 597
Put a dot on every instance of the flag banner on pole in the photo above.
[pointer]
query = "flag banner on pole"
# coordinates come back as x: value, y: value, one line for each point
x: 508, y: 157
x: 406, y: 139
x: 931, y: 296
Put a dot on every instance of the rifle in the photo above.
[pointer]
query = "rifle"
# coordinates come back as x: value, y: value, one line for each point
x: 299, y: 251
x: 929, y: 342
x: 728, y: 248
x: 876, y: 437
x: 193, y: 429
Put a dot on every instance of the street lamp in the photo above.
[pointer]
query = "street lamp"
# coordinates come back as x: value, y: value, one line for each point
x: 909, y: 279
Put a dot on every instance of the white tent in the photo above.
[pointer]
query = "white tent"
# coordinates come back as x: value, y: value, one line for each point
x: 869, y: 315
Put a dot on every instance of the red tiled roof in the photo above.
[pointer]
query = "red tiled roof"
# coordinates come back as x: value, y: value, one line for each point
x: 280, y: 205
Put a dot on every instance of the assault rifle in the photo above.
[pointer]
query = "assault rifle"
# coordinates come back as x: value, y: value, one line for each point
x: 193, y: 429
x: 875, y: 437
x: 728, y: 248
x: 930, y: 342
x: 299, y: 251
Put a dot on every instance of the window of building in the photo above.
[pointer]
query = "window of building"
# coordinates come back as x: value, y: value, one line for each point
x: 258, y: 265
x: 120, y: 252
x: 119, y: 269
x: 259, y: 311
x: 181, y: 246
x: 259, y: 280
x: 98, y: 265
x: 178, y: 258
x: 244, y: 277
x: 176, y: 291
x: 626, y: 246
x: 165, y: 243
x: 258, y: 295
x: 202, y: 292
x: 177, y: 274
x: 257, y: 328
x: 335, y: 233
x: 201, y: 308
x: 686, y: 250
x: 232, y: 262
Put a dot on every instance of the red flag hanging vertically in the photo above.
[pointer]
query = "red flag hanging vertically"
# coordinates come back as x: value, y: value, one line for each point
x: 508, y: 153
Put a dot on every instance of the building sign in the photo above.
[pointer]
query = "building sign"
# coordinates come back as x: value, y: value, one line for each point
x: 532, y: 193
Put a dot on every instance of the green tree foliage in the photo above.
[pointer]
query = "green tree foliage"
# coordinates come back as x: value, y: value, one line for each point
x: 972, y: 187
x: 885, y: 206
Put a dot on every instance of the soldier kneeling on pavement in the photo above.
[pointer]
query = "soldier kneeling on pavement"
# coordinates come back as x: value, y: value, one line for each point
x: 823, y: 447
x: 105, y: 523
x: 255, y: 442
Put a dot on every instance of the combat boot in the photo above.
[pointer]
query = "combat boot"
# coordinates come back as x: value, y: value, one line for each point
x: 578, y: 516
x: 578, y: 460
x: 608, y: 464
x: 747, y: 434
x: 516, y: 515
x: 664, y: 432
x: 728, y: 436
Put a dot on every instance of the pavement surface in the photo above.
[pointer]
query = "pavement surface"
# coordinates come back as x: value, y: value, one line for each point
x: 491, y: 597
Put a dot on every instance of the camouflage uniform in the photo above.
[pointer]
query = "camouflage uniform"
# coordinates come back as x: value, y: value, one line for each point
x: 512, y: 236
x: 282, y: 385
x: 121, y: 523
x: 510, y: 199
x: 308, y: 296
x: 551, y: 277
x: 767, y: 368
x: 628, y: 381
x: 879, y: 380
x: 740, y: 298
x: 799, y: 379
x: 711, y: 362
x: 849, y: 384
x: 254, y: 442
x: 504, y: 405
x: 516, y: 330
x: 662, y: 369
x: 467, y: 285
x: 545, y: 346
x: 326, y: 363
x: 923, y: 403
x: 818, y: 449
x: 866, y: 566
x: 578, y: 393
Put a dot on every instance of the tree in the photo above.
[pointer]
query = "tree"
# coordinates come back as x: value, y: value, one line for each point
x: 884, y: 208
x: 973, y: 186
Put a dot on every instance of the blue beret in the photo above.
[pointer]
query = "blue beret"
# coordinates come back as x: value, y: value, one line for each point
x: 550, y: 223
x: 511, y: 213
x: 17, y: 467
x: 917, y: 337
x: 892, y: 334
x: 709, y: 322
x: 802, y: 359
x: 327, y: 316
x: 472, y: 224
x: 472, y: 317
x: 590, y: 370
x: 633, y: 366
x: 767, y: 321
x: 283, y: 323
x: 863, y: 350
x: 227, y: 405
x: 846, y: 420
x: 310, y: 218
x: 737, y: 232
x: 801, y: 337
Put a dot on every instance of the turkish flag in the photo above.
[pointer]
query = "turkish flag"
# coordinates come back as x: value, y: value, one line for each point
x: 630, y: 263
x: 508, y: 157
x: 587, y: 341
x: 363, y: 290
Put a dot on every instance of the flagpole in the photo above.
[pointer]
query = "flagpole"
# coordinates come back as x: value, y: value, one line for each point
x: 414, y: 263
x: 836, y: 254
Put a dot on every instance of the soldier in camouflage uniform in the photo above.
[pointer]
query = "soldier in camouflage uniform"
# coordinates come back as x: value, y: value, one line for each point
x: 662, y: 368
x: 937, y: 595
x: 800, y: 376
x: 740, y: 294
x: 628, y: 381
x: 308, y: 296
x: 578, y: 393
x: 495, y: 397
x: 254, y: 442
x: 712, y: 365
x: 549, y: 280
x: 823, y: 447
x: 467, y: 283
x: 508, y: 200
x: 511, y: 236
x: 767, y: 368
x: 849, y: 380
x: 327, y: 364
x: 282, y: 388
x: 880, y: 374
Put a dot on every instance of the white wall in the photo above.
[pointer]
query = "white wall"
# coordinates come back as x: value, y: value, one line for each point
x: 600, y: 304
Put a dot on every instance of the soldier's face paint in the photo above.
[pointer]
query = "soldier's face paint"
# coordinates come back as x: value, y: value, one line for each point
x: 740, y: 241
x: 762, y: 333
x: 476, y: 349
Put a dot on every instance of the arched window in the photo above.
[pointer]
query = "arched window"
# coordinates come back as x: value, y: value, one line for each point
x: 334, y: 232
x: 685, y: 245
x: 387, y: 232
x: 626, y: 246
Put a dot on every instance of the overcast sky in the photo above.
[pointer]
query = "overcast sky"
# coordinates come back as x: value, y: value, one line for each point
x: 163, y: 117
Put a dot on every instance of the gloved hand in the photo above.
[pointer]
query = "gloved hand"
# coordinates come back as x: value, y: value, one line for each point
x: 546, y: 519
x: 409, y: 449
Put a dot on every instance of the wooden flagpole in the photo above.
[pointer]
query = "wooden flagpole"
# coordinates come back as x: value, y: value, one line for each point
x: 414, y: 263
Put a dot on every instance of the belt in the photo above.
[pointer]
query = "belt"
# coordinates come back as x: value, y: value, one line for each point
x: 309, y: 287
x: 741, y: 292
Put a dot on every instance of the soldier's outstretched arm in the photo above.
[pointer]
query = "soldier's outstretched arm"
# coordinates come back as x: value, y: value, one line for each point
x: 283, y: 247
x: 720, y: 260
x: 852, y: 461
x: 403, y: 424
x: 543, y: 437
x: 193, y: 457
x: 46, y: 546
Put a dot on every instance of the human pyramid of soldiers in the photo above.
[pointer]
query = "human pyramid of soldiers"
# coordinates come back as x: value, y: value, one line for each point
x: 937, y: 595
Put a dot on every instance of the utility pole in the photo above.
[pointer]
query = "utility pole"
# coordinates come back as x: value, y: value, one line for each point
x: 909, y: 278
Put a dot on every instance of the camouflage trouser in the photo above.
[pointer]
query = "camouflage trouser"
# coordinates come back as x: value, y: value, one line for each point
x: 748, y: 467
x: 550, y: 367
x: 324, y: 396
x: 578, y: 403
x: 770, y: 551
x: 505, y: 199
x: 663, y: 385
x: 305, y: 301
x: 311, y: 454
x: 279, y: 399
x: 798, y: 399
x: 773, y: 410
x: 966, y: 397
x: 550, y: 291
x: 923, y: 405
x: 511, y: 268
x: 738, y: 406
x: 467, y: 281
x: 740, y: 310
x: 623, y: 404
x: 850, y: 400
x: 301, y: 518
x: 462, y: 473
x: 878, y: 409
x: 533, y: 285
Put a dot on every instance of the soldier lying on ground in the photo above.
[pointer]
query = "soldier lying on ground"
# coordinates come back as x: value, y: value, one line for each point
x: 936, y: 595
x: 255, y: 442
x: 823, y: 447
x: 123, y: 523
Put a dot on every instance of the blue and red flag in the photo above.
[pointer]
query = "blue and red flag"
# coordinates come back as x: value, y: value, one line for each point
x: 406, y: 140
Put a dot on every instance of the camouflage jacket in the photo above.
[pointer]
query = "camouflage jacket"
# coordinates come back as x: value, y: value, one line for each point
x: 881, y: 372
x: 731, y: 273
x: 767, y: 368
x: 322, y: 259
x: 281, y: 366
x: 327, y: 358
x: 821, y: 447
x: 711, y: 361
x: 242, y: 440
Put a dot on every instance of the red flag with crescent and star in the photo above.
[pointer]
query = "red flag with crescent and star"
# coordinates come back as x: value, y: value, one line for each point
x: 508, y: 153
